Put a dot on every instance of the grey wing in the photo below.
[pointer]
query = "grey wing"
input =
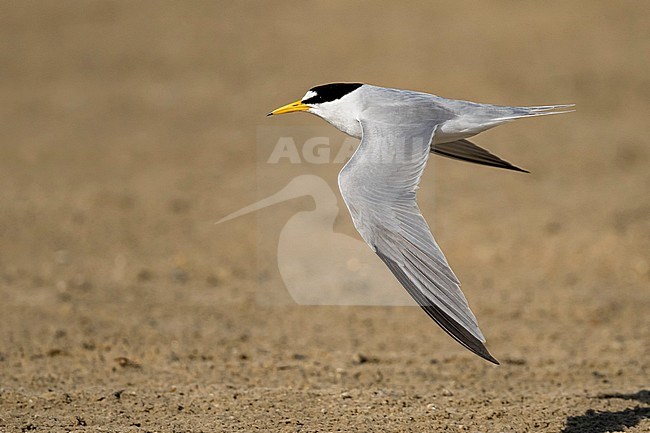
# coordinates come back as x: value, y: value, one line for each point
x: 378, y: 185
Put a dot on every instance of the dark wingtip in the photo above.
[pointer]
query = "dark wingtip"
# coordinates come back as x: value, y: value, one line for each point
x: 508, y: 166
x: 479, y: 349
x: 488, y: 357
x: 269, y: 114
x: 467, y: 151
x: 444, y: 320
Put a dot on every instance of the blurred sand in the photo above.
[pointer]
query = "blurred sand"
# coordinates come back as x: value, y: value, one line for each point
x: 128, y: 128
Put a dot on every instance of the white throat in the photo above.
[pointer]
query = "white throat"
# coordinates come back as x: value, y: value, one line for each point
x: 343, y: 114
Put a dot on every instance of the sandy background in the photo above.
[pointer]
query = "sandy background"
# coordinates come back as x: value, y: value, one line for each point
x: 128, y: 128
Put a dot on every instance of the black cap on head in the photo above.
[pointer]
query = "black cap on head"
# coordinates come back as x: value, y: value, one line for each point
x: 330, y: 92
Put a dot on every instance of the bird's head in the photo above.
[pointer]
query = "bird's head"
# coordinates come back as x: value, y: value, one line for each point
x: 324, y: 100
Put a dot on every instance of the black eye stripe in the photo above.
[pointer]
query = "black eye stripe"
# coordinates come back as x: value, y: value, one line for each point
x: 331, y: 92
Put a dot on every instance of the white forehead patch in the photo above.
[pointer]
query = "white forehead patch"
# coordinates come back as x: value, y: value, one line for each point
x: 309, y: 94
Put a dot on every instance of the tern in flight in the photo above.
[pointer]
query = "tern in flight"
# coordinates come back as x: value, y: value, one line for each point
x: 398, y: 130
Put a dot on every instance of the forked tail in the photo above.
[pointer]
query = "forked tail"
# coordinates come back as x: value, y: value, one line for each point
x: 542, y: 110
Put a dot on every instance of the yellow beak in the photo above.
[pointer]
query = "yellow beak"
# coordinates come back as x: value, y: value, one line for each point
x: 290, y: 108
